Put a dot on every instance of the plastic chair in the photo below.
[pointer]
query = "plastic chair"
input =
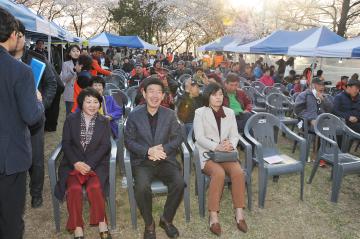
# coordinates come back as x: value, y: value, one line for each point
x: 328, y: 127
x: 270, y: 89
x: 258, y: 85
x: 157, y: 187
x: 203, y: 181
x: 257, y: 99
x: 53, y: 162
x: 110, y: 87
x: 278, y: 105
x: 260, y: 130
x: 132, y: 92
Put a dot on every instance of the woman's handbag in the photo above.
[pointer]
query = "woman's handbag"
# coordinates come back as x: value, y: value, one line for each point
x: 222, y: 157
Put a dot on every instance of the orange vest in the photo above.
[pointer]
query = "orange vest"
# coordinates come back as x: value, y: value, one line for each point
x: 218, y: 59
x: 207, y: 60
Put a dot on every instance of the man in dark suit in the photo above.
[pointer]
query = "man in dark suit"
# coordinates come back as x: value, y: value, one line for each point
x: 21, y: 107
x: 153, y: 135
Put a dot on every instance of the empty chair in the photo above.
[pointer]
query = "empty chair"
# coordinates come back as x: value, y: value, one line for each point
x: 258, y: 85
x: 278, y: 105
x: 270, y: 89
x: 109, y: 87
x: 281, y: 87
x: 327, y: 128
x: 260, y: 130
x: 257, y: 99
x: 131, y: 93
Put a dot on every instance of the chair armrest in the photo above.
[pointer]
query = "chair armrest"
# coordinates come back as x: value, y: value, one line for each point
x: 186, y: 166
x: 258, y: 148
x: 248, y: 153
x: 302, y: 142
x: 352, y: 133
x: 54, y: 157
x: 128, y: 171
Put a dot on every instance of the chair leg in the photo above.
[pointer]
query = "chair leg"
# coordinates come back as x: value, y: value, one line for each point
x: 249, y: 191
x: 336, y: 184
x: 294, y: 147
x: 262, y: 187
x: 314, y: 169
x: 112, y: 210
x: 187, y: 202
x: 201, y: 196
x: 56, y: 208
x: 302, y: 185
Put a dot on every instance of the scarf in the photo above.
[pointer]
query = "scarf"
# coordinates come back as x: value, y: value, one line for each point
x: 86, y: 135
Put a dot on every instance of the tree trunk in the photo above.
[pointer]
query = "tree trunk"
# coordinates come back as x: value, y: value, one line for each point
x: 343, y: 18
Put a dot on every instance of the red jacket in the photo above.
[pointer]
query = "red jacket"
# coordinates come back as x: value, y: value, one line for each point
x: 267, y: 80
x: 243, y: 99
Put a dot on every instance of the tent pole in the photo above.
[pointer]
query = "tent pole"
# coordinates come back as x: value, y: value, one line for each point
x: 49, y: 48
x: 312, y: 68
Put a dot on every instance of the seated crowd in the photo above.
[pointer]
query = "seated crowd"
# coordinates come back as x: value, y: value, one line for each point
x: 206, y: 95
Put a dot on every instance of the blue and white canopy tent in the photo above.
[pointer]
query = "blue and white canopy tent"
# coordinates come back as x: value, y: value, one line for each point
x: 345, y: 49
x: 222, y: 42
x: 321, y: 37
x: 276, y: 43
x: 108, y: 39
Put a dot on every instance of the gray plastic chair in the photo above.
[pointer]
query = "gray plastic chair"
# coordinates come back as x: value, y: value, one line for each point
x: 328, y: 127
x: 279, y: 105
x: 257, y: 99
x: 260, y: 130
x: 307, y: 133
x: 132, y: 92
x: 258, y: 85
x: 270, y: 89
x: 157, y: 187
x: 53, y: 162
x: 203, y: 181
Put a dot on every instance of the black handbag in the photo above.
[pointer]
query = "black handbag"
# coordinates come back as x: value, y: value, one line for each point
x: 222, y: 157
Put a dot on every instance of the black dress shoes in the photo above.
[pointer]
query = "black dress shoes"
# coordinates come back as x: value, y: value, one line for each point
x: 170, y: 229
x: 36, y: 202
x: 79, y: 237
x: 149, y: 232
x: 105, y: 235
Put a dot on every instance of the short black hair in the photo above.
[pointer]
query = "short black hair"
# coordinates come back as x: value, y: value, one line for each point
x: 98, y: 48
x: 97, y: 79
x: 153, y: 80
x: 39, y: 40
x: 88, y: 92
x: 209, y: 90
x: 86, y: 62
x: 21, y: 27
x: 8, y: 25
x: 319, y: 73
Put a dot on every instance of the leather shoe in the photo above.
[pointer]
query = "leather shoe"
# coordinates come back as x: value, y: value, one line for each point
x: 242, y: 226
x: 105, y: 235
x: 170, y: 229
x: 36, y: 202
x: 216, y: 228
x: 149, y: 232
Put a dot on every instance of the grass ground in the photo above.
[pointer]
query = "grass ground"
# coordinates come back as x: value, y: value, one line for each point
x: 284, y: 216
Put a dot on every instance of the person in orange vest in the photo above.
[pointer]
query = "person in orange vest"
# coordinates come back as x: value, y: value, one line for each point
x: 218, y: 58
x: 96, y: 68
x: 206, y: 59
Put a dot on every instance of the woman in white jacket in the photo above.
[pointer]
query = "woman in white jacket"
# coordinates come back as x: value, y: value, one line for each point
x: 68, y: 76
x: 215, y: 129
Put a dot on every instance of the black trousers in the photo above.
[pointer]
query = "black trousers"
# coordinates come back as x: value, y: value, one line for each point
x: 170, y: 174
x: 52, y: 113
x: 12, y: 204
x: 241, y: 120
x: 36, y: 170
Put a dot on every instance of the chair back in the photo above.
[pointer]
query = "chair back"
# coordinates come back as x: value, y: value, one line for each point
x: 131, y: 93
x: 261, y: 127
x: 258, y: 85
x: 329, y: 126
x: 271, y: 89
x: 253, y: 94
x: 278, y: 104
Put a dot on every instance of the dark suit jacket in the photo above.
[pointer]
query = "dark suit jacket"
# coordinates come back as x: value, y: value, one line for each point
x: 97, y: 154
x: 138, y: 137
x: 19, y: 108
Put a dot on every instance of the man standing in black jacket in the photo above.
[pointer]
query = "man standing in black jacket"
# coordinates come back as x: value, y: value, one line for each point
x: 21, y: 107
x: 47, y: 87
